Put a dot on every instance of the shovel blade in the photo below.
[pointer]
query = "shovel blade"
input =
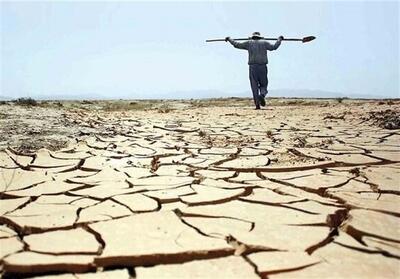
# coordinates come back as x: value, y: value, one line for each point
x: 308, y: 39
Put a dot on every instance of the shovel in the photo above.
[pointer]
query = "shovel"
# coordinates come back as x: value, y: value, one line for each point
x: 304, y: 40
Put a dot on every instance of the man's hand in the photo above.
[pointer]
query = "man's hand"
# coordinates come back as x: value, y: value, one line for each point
x: 280, y: 38
x: 227, y: 39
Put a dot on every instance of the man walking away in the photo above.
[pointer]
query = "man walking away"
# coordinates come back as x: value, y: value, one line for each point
x: 258, y: 60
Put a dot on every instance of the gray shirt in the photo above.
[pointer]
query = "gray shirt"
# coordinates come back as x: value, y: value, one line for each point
x: 257, y: 49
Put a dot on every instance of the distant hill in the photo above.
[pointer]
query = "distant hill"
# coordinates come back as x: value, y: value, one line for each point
x: 320, y: 94
x: 284, y: 93
x: 5, y: 98
x: 202, y: 94
x: 71, y: 97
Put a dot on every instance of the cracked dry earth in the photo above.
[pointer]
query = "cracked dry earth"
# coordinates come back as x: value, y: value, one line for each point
x: 206, y: 193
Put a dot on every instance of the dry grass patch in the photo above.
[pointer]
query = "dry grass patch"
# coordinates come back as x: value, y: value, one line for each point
x: 126, y: 105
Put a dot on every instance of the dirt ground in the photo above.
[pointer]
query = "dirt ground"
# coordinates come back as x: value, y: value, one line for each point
x: 200, y: 189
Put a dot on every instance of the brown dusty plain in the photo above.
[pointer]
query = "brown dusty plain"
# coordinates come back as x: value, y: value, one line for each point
x: 200, y: 189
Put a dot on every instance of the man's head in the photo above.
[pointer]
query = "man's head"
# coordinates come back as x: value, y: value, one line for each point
x: 256, y: 36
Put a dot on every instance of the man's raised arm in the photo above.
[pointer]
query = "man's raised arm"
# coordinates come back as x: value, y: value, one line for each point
x: 239, y: 45
x: 276, y: 45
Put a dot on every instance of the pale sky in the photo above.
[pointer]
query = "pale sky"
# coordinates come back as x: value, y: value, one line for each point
x: 152, y: 49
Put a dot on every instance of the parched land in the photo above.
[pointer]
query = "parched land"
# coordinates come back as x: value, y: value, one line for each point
x: 200, y: 189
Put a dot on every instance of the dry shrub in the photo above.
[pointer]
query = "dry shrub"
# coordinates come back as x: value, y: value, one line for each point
x: 26, y: 102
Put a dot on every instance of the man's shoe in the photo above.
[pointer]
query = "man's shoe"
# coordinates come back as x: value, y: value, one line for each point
x: 261, y: 100
x: 257, y: 108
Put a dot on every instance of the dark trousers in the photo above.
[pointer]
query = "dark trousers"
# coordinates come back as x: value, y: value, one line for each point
x: 258, y: 81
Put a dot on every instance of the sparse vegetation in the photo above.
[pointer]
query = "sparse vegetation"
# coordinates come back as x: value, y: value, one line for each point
x: 300, y: 142
x: 355, y: 171
x: 328, y: 141
x: 155, y: 163
x: 165, y: 108
x: 124, y: 105
x: 296, y: 102
x: 87, y: 102
x: 340, y: 99
x: 44, y: 103
x: 330, y: 116
x: 26, y: 102
x: 202, y: 133
x: 220, y: 102
x: 388, y: 119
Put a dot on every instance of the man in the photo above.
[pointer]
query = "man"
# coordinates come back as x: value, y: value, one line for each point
x: 258, y: 60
